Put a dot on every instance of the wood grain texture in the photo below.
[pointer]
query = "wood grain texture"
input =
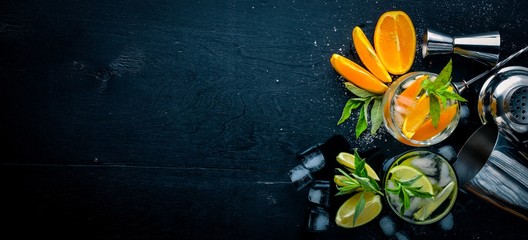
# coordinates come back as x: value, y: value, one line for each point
x: 180, y: 119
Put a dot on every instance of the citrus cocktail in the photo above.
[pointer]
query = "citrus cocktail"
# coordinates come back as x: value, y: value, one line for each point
x: 408, y: 111
x: 420, y: 187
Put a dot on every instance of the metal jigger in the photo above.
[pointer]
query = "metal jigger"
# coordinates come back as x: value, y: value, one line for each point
x: 482, y: 47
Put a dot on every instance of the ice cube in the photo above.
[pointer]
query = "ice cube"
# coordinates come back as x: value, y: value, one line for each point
x: 320, y: 193
x: 444, y: 177
x: 314, y: 160
x: 300, y: 176
x: 464, y: 112
x: 394, y: 199
x: 414, y: 205
x: 400, y: 235
x: 387, y: 225
x: 448, y: 152
x: 318, y: 220
x: 427, y: 165
x: 433, y: 180
x: 447, y: 223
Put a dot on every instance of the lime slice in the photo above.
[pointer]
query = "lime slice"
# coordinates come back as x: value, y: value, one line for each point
x: 404, y: 173
x: 347, y: 160
x: 345, y: 214
x: 338, y: 180
x: 432, y: 204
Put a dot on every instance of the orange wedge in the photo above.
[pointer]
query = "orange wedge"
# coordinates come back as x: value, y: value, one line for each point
x: 357, y: 75
x: 416, y: 117
x: 427, y: 130
x: 395, y: 41
x: 408, y: 96
x: 368, y: 56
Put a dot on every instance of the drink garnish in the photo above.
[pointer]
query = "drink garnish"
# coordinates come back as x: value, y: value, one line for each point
x: 358, y: 180
x: 362, y: 100
x: 440, y: 91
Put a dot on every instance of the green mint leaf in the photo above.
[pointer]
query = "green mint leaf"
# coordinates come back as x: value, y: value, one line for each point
x: 395, y: 191
x: 420, y: 194
x: 376, y: 115
x: 375, y: 186
x: 434, y: 109
x: 426, y: 83
x: 442, y: 100
x: 406, y: 200
x: 361, y: 124
x: 439, y: 92
x: 444, y: 77
x: 359, y: 207
x: 410, y: 181
x: 347, y: 110
x: 359, y: 163
x: 358, y: 91
x: 365, y: 108
x: 347, y: 189
x: 365, y: 183
x: 346, y: 175
x: 453, y: 96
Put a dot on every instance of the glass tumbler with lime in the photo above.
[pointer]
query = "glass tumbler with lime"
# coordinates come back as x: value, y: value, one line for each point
x: 420, y: 186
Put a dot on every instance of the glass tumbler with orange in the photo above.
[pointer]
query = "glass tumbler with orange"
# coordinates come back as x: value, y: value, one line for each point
x: 408, y: 110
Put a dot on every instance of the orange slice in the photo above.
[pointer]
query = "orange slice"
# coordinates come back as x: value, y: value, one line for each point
x: 357, y: 75
x: 368, y: 56
x: 408, y: 96
x: 427, y: 130
x: 416, y: 117
x: 395, y: 41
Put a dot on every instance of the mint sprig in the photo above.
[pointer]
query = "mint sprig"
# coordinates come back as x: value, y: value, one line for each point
x: 362, y: 101
x: 404, y: 190
x: 358, y: 179
x: 439, y: 92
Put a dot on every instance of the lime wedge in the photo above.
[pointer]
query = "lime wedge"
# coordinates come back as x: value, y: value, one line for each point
x: 432, y: 204
x: 345, y: 214
x: 347, y: 160
x: 404, y: 173
x: 338, y: 180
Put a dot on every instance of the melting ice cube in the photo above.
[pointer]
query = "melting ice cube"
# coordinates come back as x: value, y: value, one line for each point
x: 318, y: 220
x: 414, y: 205
x: 387, y: 225
x: 314, y: 160
x: 448, y: 152
x: 447, y: 223
x: 444, y: 177
x: 426, y: 165
x: 401, y: 235
x: 320, y: 193
x: 300, y: 176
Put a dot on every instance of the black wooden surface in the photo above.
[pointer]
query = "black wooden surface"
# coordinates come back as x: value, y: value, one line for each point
x: 180, y: 119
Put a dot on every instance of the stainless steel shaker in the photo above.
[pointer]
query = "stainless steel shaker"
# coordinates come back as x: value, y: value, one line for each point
x: 495, y: 168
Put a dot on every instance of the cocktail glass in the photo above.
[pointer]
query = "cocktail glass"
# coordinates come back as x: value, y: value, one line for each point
x: 406, y: 113
x: 432, y: 174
